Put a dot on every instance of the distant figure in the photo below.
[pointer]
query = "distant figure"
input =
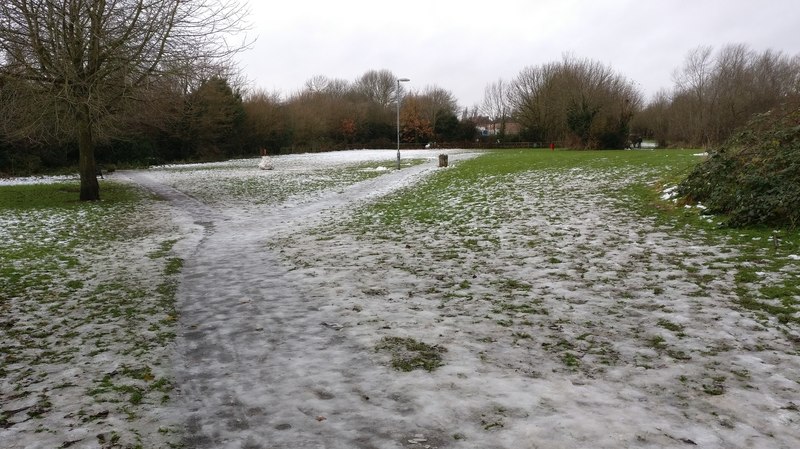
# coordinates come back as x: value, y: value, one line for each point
x: 266, y: 162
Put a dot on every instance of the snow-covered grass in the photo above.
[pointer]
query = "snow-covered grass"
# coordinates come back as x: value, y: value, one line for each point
x: 87, y: 306
x: 552, y: 299
x: 87, y: 317
x: 237, y: 184
x: 572, y: 312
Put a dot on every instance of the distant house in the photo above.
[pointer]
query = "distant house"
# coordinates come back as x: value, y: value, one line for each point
x: 489, y: 128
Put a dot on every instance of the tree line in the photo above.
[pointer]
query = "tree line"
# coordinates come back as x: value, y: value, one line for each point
x: 148, y: 82
x: 715, y: 93
x: 330, y: 114
x: 212, y: 116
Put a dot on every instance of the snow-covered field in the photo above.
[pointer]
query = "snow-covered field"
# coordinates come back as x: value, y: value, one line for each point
x: 87, y: 321
x: 563, y: 320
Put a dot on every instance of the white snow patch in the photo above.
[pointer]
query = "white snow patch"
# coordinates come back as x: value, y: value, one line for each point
x: 28, y: 180
x: 669, y: 193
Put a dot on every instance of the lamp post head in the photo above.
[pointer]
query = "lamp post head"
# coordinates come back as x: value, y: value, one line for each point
x: 402, y: 80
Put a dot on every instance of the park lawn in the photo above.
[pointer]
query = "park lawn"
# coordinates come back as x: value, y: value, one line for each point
x: 511, y: 270
x: 87, y: 315
x: 515, y: 272
x: 458, y: 198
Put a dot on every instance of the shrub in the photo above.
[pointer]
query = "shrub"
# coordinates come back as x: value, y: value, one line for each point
x: 754, y: 177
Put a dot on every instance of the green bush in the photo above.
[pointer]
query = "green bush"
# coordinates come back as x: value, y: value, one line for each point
x: 754, y: 177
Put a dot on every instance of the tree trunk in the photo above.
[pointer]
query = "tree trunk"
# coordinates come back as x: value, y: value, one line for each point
x: 90, y: 188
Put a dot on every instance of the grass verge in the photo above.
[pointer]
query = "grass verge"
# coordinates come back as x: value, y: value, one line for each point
x: 763, y: 255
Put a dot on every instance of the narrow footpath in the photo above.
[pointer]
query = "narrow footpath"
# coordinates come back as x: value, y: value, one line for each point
x: 259, y: 364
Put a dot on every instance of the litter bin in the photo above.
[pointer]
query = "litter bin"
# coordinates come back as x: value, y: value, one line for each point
x: 442, y: 160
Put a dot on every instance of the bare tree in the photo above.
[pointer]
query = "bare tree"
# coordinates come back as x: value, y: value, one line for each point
x: 496, y: 104
x: 266, y: 121
x: 435, y: 102
x: 575, y: 99
x: 694, y: 81
x: 717, y: 92
x: 316, y: 84
x: 731, y: 90
x: 92, y: 56
x: 654, y: 121
x: 378, y: 86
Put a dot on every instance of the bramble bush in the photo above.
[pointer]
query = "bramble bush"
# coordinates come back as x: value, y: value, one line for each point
x: 754, y: 177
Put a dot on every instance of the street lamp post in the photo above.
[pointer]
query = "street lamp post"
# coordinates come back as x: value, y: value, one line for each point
x: 399, y: 80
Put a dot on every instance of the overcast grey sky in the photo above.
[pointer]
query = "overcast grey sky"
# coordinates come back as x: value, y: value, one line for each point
x: 463, y: 45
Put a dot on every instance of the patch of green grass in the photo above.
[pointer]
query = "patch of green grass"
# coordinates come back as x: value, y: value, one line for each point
x: 60, y: 195
x: 509, y: 285
x: 714, y: 388
x: 669, y: 325
x: 74, y: 284
x: 746, y: 275
x: 174, y: 266
x: 163, y: 250
x: 657, y: 342
x: 458, y: 196
x: 409, y: 354
x: 784, y: 313
x: 678, y: 354
x: 514, y: 309
x: 570, y: 360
